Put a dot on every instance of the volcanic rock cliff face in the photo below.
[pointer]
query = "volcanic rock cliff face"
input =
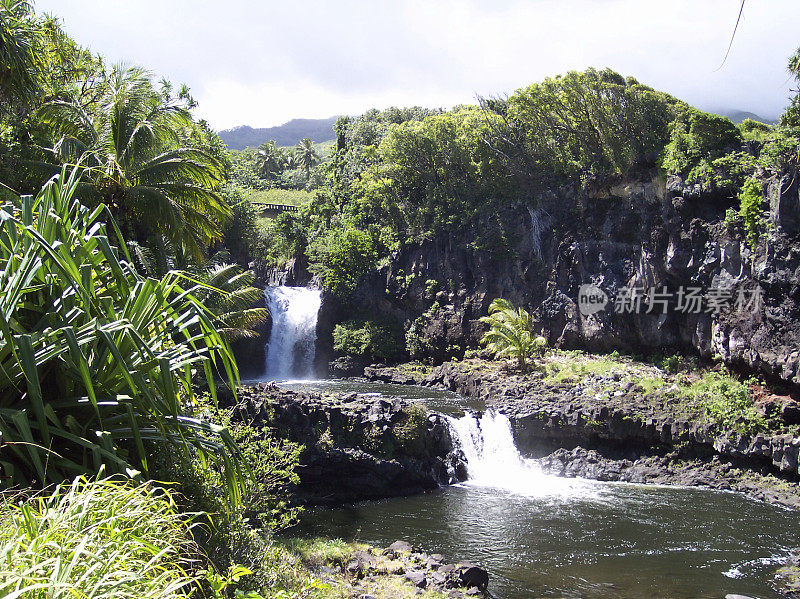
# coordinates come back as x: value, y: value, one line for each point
x: 356, y: 446
x: 647, y: 233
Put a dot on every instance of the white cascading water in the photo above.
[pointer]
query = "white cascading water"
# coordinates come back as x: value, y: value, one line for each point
x: 539, y: 220
x: 494, y: 461
x: 292, y: 342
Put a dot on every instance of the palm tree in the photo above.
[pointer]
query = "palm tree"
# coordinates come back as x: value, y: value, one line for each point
x: 20, y: 63
x: 306, y: 155
x: 141, y: 165
x: 230, y: 297
x: 510, y: 333
x: 270, y: 160
x: 225, y: 289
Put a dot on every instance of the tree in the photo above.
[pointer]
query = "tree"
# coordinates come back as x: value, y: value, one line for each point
x: 230, y: 297
x: 510, y: 333
x: 20, y: 63
x: 142, y: 161
x: 791, y: 117
x: 306, y: 156
x: 271, y: 161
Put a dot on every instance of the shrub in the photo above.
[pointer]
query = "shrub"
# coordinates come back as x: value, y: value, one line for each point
x: 418, y: 344
x: 750, y: 200
x: 343, y: 257
x: 752, y: 129
x: 95, y: 359
x: 371, y: 340
x: 237, y: 535
x: 695, y: 136
x: 727, y: 402
x: 727, y: 172
x: 410, y: 432
x: 101, y: 539
x: 781, y: 152
x: 511, y: 333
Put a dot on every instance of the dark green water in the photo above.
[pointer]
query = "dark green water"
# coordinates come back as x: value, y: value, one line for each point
x: 541, y: 536
x: 604, y: 540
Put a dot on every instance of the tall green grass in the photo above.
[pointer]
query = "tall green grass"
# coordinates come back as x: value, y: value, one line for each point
x: 95, y: 358
x: 99, y: 539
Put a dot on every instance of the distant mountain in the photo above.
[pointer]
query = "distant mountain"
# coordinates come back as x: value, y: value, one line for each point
x: 737, y: 116
x: 288, y: 134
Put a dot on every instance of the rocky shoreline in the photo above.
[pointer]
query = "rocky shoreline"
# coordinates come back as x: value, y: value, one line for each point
x: 356, y: 447
x: 605, y: 426
x: 425, y: 572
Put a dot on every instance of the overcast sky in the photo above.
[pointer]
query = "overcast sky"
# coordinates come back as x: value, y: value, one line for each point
x: 262, y: 63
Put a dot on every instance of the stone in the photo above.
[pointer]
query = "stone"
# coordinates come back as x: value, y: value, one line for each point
x: 400, y: 547
x: 470, y: 575
x: 418, y: 578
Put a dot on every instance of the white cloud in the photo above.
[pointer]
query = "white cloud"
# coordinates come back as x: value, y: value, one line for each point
x: 263, y: 63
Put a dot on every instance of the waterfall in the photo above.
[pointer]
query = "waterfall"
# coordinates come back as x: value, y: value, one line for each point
x: 494, y: 461
x: 292, y: 342
x: 539, y: 220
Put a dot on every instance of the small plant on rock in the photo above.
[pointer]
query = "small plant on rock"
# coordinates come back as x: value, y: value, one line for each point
x: 510, y: 333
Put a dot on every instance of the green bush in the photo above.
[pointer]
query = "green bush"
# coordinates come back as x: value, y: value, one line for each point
x: 96, y: 359
x: 781, y: 152
x: 727, y: 172
x: 696, y: 136
x: 411, y: 430
x: 750, y: 200
x: 418, y: 345
x: 727, y: 402
x: 101, y: 539
x: 236, y: 535
x: 371, y: 340
x: 752, y: 129
x: 342, y: 257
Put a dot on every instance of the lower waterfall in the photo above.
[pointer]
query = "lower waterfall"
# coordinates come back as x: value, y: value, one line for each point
x: 494, y: 461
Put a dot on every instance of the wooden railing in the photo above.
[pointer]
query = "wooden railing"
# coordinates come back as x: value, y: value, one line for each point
x: 265, y: 207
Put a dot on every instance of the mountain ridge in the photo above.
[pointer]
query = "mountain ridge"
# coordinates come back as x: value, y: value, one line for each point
x: 287, y: 134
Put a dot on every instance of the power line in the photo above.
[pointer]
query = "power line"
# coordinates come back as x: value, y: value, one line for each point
x: 733, y: 35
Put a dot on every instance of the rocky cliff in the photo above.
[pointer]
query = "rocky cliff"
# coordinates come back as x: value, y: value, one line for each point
x: 648, y: 233
x: 356, y: 446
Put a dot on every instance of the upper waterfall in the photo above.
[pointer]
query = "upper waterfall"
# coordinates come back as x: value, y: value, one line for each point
x: 292, y: 342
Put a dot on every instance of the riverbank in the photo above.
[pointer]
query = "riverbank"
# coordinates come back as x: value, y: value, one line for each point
x: 611, y: 418
x: 397, y: 572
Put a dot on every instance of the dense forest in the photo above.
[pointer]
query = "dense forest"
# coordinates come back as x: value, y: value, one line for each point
x: 128, y: 231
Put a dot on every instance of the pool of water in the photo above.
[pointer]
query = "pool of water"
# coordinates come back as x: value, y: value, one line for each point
x: 543, y: 536
x: 585, y: 539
